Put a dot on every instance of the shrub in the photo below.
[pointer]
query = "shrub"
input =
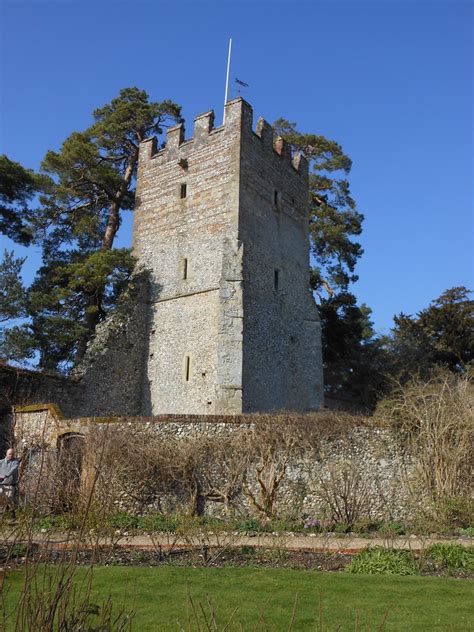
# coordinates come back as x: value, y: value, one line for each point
x: 467, y: 532
x: 457, y: 511
x: 283, y: 524
x: 435, y: 423
x: 271, y: 446
x: 160, y: 522
x: 313, y: 525
x: 247, y: 550
x: 392, y: 528
x: 46, y: 523
x: 124, y: 521
x: 380, y: 561
x: 57, y: 522
x: 251, y: 524
x: 344, y: 487
x: 364, y: 525
x: 451, y: 556
x: 18, y: 550
x: 174, y: 473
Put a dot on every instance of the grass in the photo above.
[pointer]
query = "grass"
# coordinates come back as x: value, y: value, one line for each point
x: 159, y: 598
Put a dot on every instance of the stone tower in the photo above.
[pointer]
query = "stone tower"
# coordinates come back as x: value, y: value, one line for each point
x: 221, y: 226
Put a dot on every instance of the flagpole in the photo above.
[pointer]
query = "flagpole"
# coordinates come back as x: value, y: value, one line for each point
x: 227, y: 78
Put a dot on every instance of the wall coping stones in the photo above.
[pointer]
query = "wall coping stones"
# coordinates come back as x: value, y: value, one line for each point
x: 8, y: 368
x: 243, y: 419
x: 53, y: 409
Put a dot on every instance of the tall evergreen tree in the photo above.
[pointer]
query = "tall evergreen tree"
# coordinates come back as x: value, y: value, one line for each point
x: 17, y: 187
x: 334, y: 219
x: 12, y: 291
x: 441, y: 334
x: 355, y: 358
x: 350, y: 347
x: 93, y: 177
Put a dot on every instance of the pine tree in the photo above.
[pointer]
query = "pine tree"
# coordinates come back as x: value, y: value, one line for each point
x: 334, y: 219
x: 12, y: 291
x: 352, y: 352
x: 93, y: 178
x: 17, y: 187
x: 355, y: 358
x: 440, y: 335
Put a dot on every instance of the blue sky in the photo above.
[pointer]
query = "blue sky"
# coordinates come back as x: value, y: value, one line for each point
x: 391, y: 81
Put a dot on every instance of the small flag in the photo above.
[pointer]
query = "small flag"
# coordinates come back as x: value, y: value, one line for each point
x: 241, y: 83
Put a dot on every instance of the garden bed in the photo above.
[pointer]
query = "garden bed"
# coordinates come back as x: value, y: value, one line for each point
x: 437, y: 560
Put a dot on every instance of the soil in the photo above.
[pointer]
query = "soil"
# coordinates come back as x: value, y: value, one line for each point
x: 202, y: 557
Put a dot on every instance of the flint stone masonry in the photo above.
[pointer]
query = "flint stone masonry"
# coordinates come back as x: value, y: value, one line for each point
x: 224, y: 336
x: 219, y: 317
x: 375, y: 456
x: 113, y: 373
x: 22, y: 386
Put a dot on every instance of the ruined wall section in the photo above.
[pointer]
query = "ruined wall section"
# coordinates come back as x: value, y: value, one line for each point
x: 282, y: 362
x: 19, y: 387
x: 23, y: 387
x: 113, y: 370
x: 185, y: 235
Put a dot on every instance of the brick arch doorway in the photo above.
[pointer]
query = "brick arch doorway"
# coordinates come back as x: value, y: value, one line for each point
x: 70, y: 462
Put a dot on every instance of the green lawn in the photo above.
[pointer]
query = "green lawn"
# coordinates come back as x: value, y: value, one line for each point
x: 159, y: 597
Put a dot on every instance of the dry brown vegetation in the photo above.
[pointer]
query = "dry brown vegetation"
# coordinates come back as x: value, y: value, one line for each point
x: 434, y: 421
x: 51, y: 599
x: 269, y: 466
x: 166, y: 472
x: 244, y: 469
x: 345, y: 489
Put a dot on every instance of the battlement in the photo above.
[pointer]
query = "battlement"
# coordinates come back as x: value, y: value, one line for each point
x: 225, y: 323
x: 238, y: 120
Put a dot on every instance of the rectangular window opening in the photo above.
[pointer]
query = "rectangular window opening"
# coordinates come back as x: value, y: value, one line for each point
x: 185, y: 269
x: 187, y: 368
x: 277, y: 199
x: 276, y: 279
x: 183, y: 190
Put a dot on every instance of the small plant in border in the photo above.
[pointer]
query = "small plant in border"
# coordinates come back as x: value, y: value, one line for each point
x: 319, y: 526
x: 251, y: 524
x: 381, y: 561
x: 392, y: 528
x: 451, y: 556
x: 467, y: 532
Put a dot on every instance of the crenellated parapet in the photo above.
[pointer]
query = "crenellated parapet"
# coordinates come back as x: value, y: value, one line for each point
x: 238, y: 120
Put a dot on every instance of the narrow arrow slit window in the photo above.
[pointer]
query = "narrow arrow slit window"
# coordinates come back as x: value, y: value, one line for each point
x: 187, y: 368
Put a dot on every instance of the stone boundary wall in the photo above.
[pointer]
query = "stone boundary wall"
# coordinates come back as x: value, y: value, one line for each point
x: 364, y: 458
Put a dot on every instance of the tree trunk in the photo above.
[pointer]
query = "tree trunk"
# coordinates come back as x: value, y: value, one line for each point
x: 113, y: 221
x: 92, y: 319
